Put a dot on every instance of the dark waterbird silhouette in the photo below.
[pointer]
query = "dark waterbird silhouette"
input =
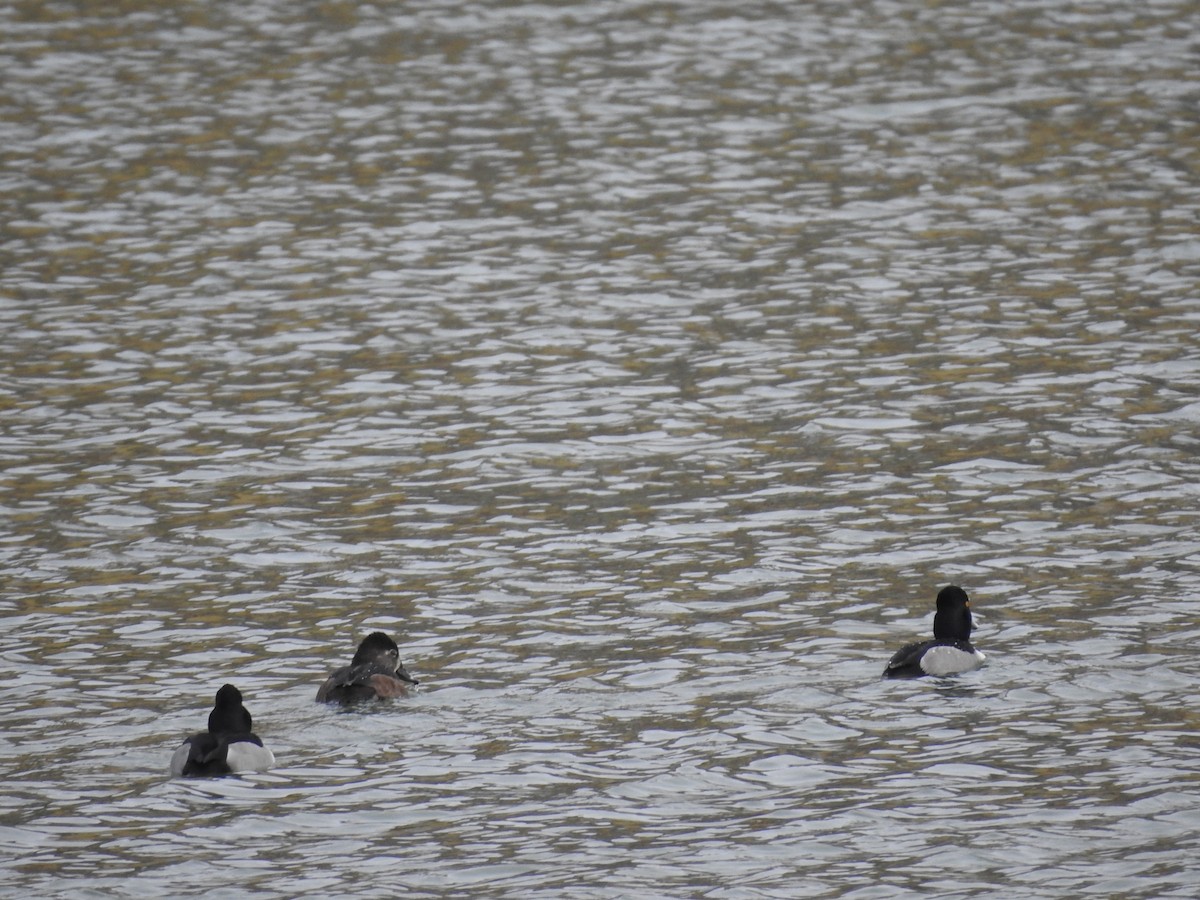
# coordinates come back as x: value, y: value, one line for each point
x: 375, y: 672
x: 950, y: 652
x: 229, y: 745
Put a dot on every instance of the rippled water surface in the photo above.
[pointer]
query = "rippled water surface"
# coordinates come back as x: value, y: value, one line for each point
x: 645, y: 368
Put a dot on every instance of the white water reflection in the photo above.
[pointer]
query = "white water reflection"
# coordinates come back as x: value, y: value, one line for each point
x: 645, y: 370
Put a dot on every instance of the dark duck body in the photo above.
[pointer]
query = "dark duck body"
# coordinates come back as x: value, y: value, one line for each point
x: 950, y: 652
x: 229, y: 746
x: 375, y: 673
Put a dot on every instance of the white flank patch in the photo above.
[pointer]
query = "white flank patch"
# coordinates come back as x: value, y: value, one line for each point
x: 243, y: 756
x: 950, y: 661
x: 179, y: 760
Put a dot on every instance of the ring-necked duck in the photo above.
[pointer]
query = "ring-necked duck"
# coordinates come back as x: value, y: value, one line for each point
x: 950, y: 652
x: 228, y: 746
x: 375, y: 671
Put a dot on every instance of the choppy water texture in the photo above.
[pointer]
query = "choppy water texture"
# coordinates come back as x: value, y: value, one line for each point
x: 645, y: 368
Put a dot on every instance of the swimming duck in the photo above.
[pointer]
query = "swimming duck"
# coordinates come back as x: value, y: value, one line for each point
x: 950, y: 652
x: 375, y: 672
x: 228, y: 746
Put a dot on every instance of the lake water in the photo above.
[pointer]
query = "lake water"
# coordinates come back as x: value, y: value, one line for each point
x: 645, y: 369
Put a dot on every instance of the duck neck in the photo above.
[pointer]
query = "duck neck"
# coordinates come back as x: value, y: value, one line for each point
x: 952, y: 624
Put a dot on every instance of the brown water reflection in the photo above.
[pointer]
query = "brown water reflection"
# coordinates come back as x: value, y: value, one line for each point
x: 645, y: 369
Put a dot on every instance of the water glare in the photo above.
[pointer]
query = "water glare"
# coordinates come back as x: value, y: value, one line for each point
x: 644, y: 369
